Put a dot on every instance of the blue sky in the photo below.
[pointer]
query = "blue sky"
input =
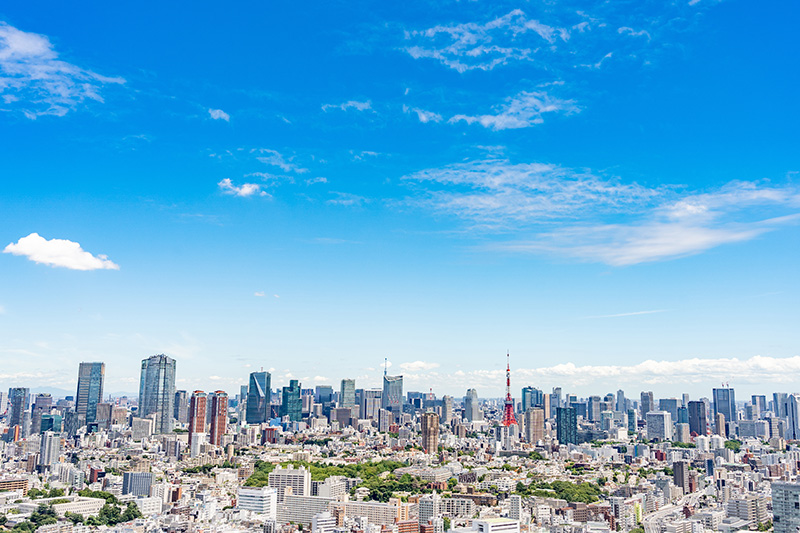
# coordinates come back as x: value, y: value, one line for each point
x: 609, y: 190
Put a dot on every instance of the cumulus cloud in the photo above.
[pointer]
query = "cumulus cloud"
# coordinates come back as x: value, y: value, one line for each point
x: 219, y: 114
x: 350, y: 104
x: 246, y: 189
x: 520, y: 111
x: 418, y: 366
x: 59, y: 253
x: 34, y: 81
x: 545, y: 208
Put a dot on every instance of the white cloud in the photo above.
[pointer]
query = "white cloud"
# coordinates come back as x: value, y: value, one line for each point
x: 259, y: 294
x: 423, y: 115
x: 601, y: 219
x: 314, y: 181
x: 471, y: 46
x: 521, y: 111
x: 219, y: 114
x: 244, y: 190
x: 37, y: 82
x: 599, y: 64
x: 347, y: 199
x: 58, y: 253
x: 624, y: 30
x: 276, y: 159
x: 418, y: 366
x: 350, y: 104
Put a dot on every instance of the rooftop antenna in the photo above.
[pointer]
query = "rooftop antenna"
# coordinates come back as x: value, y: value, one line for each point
x: 385, y: 366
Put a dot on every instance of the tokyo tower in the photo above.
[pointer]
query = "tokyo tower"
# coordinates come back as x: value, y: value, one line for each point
x: 508, y: 411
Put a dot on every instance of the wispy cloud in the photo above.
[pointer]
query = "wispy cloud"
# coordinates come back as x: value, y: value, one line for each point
x: 59, y: 253
x: 314, y: 181
x: 34, y: 81
x: 277, y: 159
x: 520, y: 111
x: 246, y: 189
x: 219, y: 114
x: 350, y: 104
x: 423, y: 115
x: 548, y: 209
x: 347, y: 199
x: 417, y: 366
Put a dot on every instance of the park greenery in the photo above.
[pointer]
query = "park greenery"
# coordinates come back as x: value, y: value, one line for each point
x: 565, y: 490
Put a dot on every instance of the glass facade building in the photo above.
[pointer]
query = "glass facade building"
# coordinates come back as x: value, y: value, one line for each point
x: 291, y: 403
x: 90, y: 389
x: 258, y: 398
x: 157, y: 392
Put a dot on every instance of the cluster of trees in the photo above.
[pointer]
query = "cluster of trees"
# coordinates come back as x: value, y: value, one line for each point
x: 565, y: 490
x: 320, y: 472
x: 205, y: 469
x: 109, y: 515
x: 42, y: 516
x: 35, y: 494
x: 734, y: 445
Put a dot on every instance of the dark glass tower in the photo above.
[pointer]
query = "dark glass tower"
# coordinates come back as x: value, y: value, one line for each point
x: 291, y: 403
x: 90, y: 389
x: 258, y: 398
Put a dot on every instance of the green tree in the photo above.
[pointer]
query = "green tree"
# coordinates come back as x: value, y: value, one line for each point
x: 446, y: 521
x: 132, y: 512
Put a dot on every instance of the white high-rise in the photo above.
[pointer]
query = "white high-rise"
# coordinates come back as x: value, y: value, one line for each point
x: 296, y: 479
x: 262, y: 500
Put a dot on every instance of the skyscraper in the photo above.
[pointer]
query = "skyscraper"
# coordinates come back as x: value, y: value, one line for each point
x: 219, y: 417
x: 157, y: 392
x: 472, y: 411
x: 392, y: 397
x: 347, y: 395
x: 785, y: 510
x: 659, y: 426
x: 698, y: 419
x: 725, y: 403
x: 622, y: 405
x: 291, y: 403
x: 258, y: 397
x: 49, y: 449
x: 647, y: 403
x: 181, y: 407
x: 430, y: 432
x: 90, y: 389
x: 531, y: 397
x: 20, y: 400
x: 197, y: 415
x: 566, y: 425
x: 447, y: 409
x: 594, y: 408
x: 534, y: 425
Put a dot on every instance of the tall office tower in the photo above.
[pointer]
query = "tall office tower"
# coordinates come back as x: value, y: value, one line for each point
x: 534, y: 425
x: 669, y: 405
x: 725, y: 403
x: 792, y: 408
x: 103, y: 419
x: 472, y: 411
x: 698, y: 419
x: 647, y: 403
x: 555, y: 402
x: 785, y: 510
x: 90, y: 389
x: 720, y: 425
x: 137, y: 483
x: 594, y: 408
x: 430, y: 432
x: 258, y: 397
x: 680, y: 475
x: 392, y: 397
x: 566, y: 425
x: 49, y: 449
x: 633, y: 419
x: 371, y: 403
x: 622, y: 404
x: 323, y: 395
x: 659, y: 426
x: 181, y: 407
x: 760, y: 401
x: 683, y: 415
x: 157, y: 392
x: 291, y: 403
x: 42, y: 404
x: 3, y: 403
x: 197, y: 415
x: 347, y: 395
x: 219, y: 416
x: 531, y: 396
x: 779, y: 404
x: 447, y: 410
x: 20, y: 399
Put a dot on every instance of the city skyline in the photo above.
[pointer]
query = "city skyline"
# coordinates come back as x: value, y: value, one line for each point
x: 609, y: 193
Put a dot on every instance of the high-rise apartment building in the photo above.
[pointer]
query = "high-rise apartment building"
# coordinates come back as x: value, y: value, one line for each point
x: 197, y: 415
x: 566, y: 425
x: 291, y: 403
x: 680, y: 475
x: 157, y: 392
x: 786, y: 507
x: 534, y: 425
x: 430, y: 432
x: 49, y: 449
x: 472, y: 410
x: 347, y: 393
x: 392, y: 396
x: 218, y: 409
x: 258, y: 398
x: 90, y: 389
x: 299, y: 479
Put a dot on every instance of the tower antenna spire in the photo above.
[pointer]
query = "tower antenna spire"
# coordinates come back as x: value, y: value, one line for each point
x: 385, y: 366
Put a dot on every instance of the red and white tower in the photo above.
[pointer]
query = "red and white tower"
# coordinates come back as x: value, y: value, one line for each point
x: 508, y: 412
